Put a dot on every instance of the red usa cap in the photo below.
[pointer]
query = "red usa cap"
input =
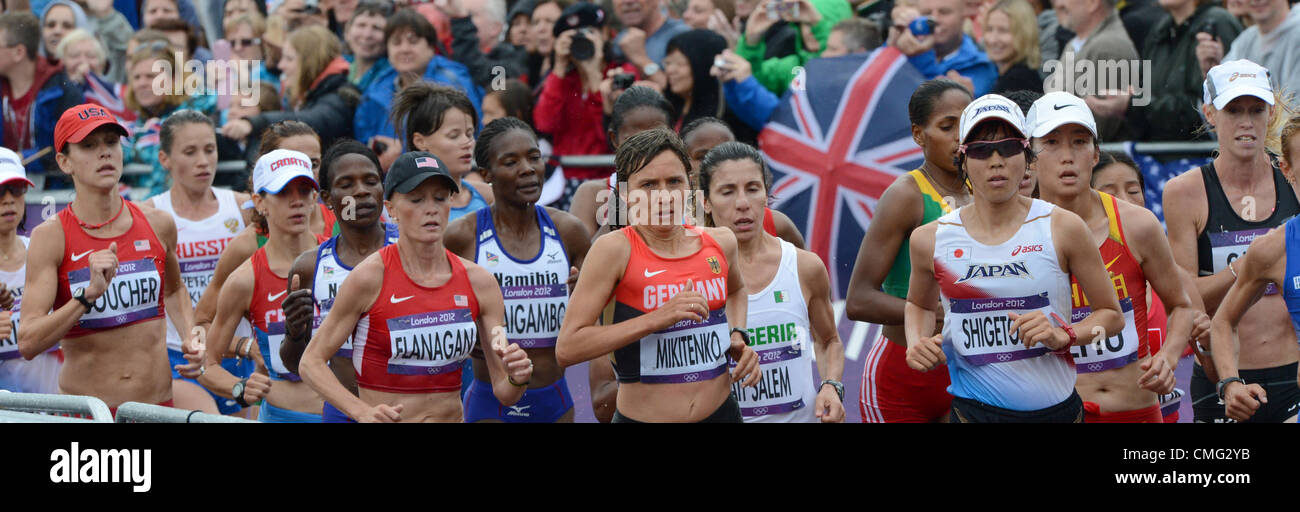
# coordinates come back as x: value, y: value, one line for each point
x: 76, y: 123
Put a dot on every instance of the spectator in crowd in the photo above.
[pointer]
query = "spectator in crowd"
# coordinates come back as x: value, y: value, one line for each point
x: 264, y: 98
x: 812, y: 21
x: 1099, y: 36
x: 153, y: 10
x: 1240, y: 10
x: 513, y: 100
x: 1048, y: 44
x: 570, y: 107
x: 541, y: 56
x: 113, y: 30
x: 83, y: 60
x: 476, y: 29
x: 1011, y: 40
x: 1139, y: 16
x: 156, y: 63
x: 59, y: 18
x: 232, y: 9
x: 315, y: 85
x: 244, y: 33
x: 753, y: 104
x: 699, y: 12
x: 410, y: 39
x: 1174, y: 114
x: 364, y: 35
x: 273, y: 45
x: 339, y: 14
x: 693, y: 92
x: 1273, y: 42
x: 301, y: 13
x: 34, y: 93
x: 183, y: 36
x: 947, y: 51
x: 440, y: 120
x: 519, y: 20
x: 643, y: 42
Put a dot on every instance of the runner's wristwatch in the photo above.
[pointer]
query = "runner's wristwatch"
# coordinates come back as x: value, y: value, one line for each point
x: 839, y: 387
x: 80, y: 295
x: 1223, y: 384
x: 238, y: 391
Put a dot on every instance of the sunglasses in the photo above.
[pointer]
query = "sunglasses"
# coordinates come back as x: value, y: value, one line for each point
x: 15, y: 188
x: 1005, y: 147
x: 244, y: 43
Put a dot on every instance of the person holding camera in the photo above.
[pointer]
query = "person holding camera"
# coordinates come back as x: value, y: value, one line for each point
x: 931, y: 36
x: 813, y: 19
x: 1174, y: 114
x: 570, y: 106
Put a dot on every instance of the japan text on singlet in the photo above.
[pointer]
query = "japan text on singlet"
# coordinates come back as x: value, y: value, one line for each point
x: 199, y: 244
x: 15, y: 281
x: 687, y: 351
x: 535, y: 290
x: 267, y: 316
x: 1130, y: 284
x: 135, y: 294
x: 980, y: 284
x: 1226, y: 235
x: 328, y: 278
x: 414, y: 338
x: 779, y: 334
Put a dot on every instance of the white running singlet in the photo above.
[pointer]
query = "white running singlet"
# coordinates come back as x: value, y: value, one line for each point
x: 779, y: 334
x: 41, y: 374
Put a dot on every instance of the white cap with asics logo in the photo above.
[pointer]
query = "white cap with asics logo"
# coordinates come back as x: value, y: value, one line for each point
x: 1235, y: 78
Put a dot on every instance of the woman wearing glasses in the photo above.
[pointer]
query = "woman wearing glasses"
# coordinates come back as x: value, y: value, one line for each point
x: 1004, y: 282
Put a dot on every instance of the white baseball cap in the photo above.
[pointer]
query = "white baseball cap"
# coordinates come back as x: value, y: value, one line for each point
x: 11, y: 167
x: 1056, y: 109
x: 1235, y: 78
x: 991, y: 106
x: 276, y: 169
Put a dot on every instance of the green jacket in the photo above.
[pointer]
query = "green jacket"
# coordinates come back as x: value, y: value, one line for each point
x: 775, y: 73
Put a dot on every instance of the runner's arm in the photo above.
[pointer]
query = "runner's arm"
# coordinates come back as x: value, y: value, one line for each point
x: 574, y: 234
x: 239, y: 250
x: 1184, y: 203
x: 299, y: 308
x: 1084, y: 262
x: 603, y: 384
x: 581, y: 339
x: 41, y: 327
x: 821, y: 316
x: 232, y: 306
x: 897, y: 217
x: 737, y: 299
x: 1165, y: 277
x: 1263, y: 263
x: 177, y: 300
x: 491, y: 331
x: 585, y: 205
x: 922, y: 289
x: 357, y: 294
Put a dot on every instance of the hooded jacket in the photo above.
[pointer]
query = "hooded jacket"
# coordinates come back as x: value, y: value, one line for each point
x: 372, y: 115
x: 700, y: 46
x: 1279, y: 51
x: 55, y: 93
x: 328, y: 106
x: 78, y: 14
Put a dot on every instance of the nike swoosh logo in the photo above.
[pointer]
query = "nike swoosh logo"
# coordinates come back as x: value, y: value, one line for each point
x: 648, y: 273
x: 273, y: 297
x: 395, y: 300
x: 76, y: 257
x: 1112, y: 262
x: 1059, y: 107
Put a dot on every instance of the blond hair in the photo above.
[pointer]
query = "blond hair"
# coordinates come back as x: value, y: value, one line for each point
x: 77, y: 36
x: 252, y: 19
x: 1289, y: 131
x: 1024, y: 30
x: 153, y: 51
x: 316, y: 47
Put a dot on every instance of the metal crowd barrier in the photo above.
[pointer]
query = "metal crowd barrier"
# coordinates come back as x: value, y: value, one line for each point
x: 135, y: 412
x: 56, y: 404
x: 27, y: 417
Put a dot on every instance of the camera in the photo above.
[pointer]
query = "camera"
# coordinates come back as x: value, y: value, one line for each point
x: 623, y: 81
x: 922, y: 26
x: 775, y: 8
x: 582, y: 48
x: 721, y: 63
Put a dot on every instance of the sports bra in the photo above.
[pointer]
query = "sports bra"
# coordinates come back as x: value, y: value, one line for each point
x: 135, y: 294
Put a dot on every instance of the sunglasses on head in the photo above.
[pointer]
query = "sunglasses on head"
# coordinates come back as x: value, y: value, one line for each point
x: 1006, y: 147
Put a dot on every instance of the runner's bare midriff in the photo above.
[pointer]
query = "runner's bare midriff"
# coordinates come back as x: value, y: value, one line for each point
x: 420, y: 407
x: 1116, y: 390
x: 125, y: 364
x: 685, y: 402
x: 1265, y: 341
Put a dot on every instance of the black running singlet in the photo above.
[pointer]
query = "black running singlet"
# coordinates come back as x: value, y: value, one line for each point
x: 1226, y: 235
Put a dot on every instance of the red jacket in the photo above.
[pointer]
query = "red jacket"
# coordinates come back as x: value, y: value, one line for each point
x: 573, y: 120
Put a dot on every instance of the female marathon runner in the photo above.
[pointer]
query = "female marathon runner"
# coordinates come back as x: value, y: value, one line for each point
x: 680, y: 303
x: 352, y: 184
x: 705, y: 133
x: 442, y: 120
x: 290, y: 135
x: 1002, y: 267
x: 1214, y: 212
x: 41, y: 374
x: 100, y: 273
x: 415, y: 310
x: 206, y: 220
x: 1272, y: 261
x: 285, y: 190
x: 1117, y: 380
x: 892, y: 392
x: 535, y: 253
x: 790, y: 304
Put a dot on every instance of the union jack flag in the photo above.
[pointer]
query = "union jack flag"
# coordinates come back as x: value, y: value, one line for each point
x: 836, y: 144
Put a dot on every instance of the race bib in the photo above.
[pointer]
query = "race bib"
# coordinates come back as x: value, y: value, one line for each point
x: 687, y: 351
x: 1227, y: 246
x: 9, y: 344
x: 534, y: 313
x: 781, y: 384
x: 131, y: 296
x: 196, y: 274
x: 1113, y: 352
x: 981, y: 331
x: 269, y: 342
x: 323, y: 307
x: 430, y: 343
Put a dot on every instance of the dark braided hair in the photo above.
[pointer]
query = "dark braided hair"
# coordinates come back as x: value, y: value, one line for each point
x: 921, y: 106
x: 705, y: 121
x: 634, y: 98
x: 337, y: 151
x: 483, y: 150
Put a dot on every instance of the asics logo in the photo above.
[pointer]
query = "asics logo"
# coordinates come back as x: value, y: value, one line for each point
x: 396, y: 300
x: 1027, y: 249
x: 271, y: 297
x: 648, y: 273
x: 76, y: 257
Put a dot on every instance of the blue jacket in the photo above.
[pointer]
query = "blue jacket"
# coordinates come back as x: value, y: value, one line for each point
x: 750, y: 101
x: 56, y: 95
x: 969, y: 61
x: 377, y: 101
x: 363, y: 82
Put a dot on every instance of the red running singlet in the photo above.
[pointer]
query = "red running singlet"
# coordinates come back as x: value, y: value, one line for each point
x: 769, y: 223
x: 135, y: 294
x: 1131, y: 286
x: 414, y: 338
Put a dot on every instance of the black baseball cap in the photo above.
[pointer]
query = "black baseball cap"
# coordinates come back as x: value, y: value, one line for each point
x: 411, y: 169
x: 581, y: 14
